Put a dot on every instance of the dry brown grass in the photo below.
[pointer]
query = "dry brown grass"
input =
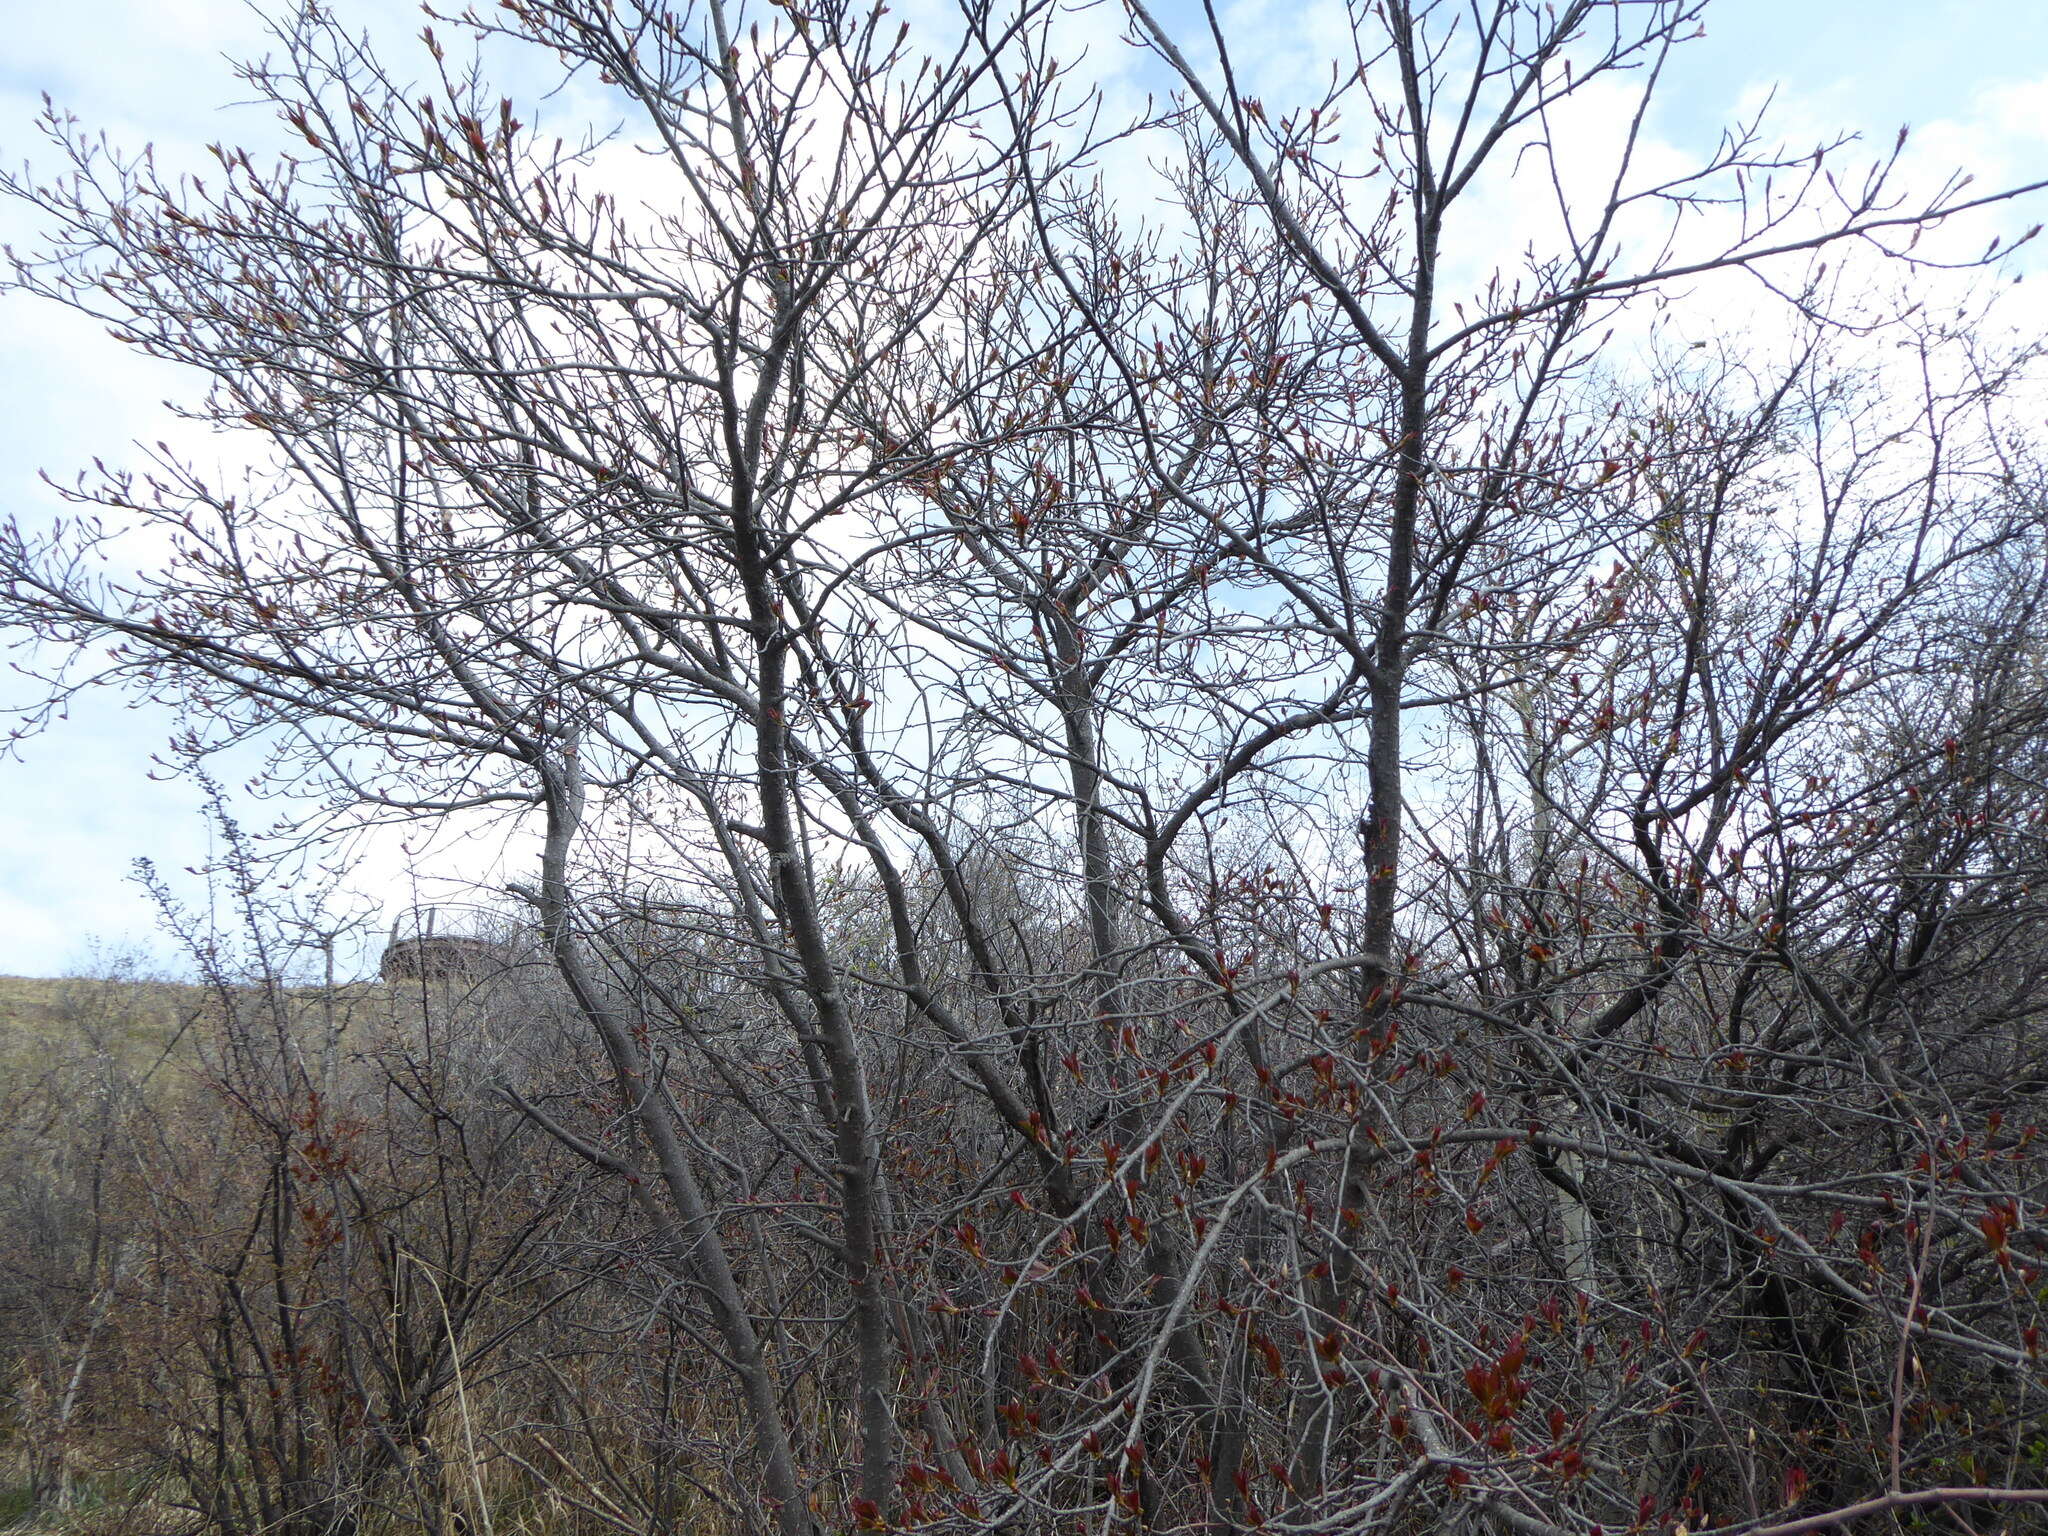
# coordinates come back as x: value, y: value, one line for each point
x: 135, y: 1021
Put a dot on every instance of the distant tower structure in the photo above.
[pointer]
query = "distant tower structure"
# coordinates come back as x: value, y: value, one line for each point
x: 426, y: 945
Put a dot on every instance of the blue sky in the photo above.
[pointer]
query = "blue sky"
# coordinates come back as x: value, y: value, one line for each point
x: 80, y: 801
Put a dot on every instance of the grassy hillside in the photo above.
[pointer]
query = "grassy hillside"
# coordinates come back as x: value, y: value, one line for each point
x: 128, y: 1019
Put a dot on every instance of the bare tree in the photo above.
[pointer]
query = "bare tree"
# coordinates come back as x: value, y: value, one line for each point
x: 1219, y: 880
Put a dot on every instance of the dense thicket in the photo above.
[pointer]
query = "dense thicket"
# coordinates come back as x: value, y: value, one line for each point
x: 1199, y: 865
